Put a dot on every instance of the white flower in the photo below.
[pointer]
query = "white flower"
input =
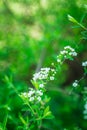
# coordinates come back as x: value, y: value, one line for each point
x: 58, y: 60
x: 74, y: 54
x: 30, y: 93
x: 42, y: 74
x: 66, y: 53
x: 84, y: 64
x: 41, y: 86
x: 45, y: 69
x: 52, y: 70
x: 39, y: 92
x: 75, y: 84
x: 70, y: 53
x: 36, y: 76
x: 31, y: 99
x: 63, y: 52
x: 51, y: 78
x: 67, y: 47
x: 65, y: 56
x: 72, y: 49
x: 25, y: 94
x: 39, y: 98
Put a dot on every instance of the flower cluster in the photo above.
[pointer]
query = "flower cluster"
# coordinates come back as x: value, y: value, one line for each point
x: 44, y: 74
x: 67, y: 53
x: 75, y: 84
x: 84, y: 64
x: 47, y: 74
x: 33, y: 95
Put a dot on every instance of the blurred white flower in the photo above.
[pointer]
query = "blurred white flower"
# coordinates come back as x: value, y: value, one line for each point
x: 75, y: 84
x: 30, y: 93
x: 51, y: 78
x: 58, y: 60
x: 84, y: 64
x: 39, y: 98
x: 67, y: 53
x: 41, y: 86
x: 39, y: 92
x: 31, y: 99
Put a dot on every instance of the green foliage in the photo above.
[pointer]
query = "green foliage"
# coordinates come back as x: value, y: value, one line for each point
x: 34, y: 36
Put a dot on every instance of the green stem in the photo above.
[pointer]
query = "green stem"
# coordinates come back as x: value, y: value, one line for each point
x: 5, y: 120
x: 31, y: 109
x: 82, y: 26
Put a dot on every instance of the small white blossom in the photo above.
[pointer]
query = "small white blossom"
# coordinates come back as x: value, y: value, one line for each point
x: 67, y: 47
x: 39, y: 99
x: 70, y: 53
x: 75, y: 84
x: 39, y: 92
x: 51, y: 78
x: 25, y: 94
x: 58, y: 60
x: 74, y: 54
x: 42, y: 74
x: 45, y: 69
x: 67, y: 53
x: 31, y: 93
x: 65, y: 56
x: 41, y: 86
x: 64, y: 52
x: 31, y: 99
x: 84, y: 64
x: 52, y: 70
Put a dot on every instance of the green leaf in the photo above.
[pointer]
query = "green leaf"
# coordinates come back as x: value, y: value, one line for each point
x: 76, y: 22
x: 46, y: 110
x: 72, y: 19
x: 35, y: 84
x: 47, y: 113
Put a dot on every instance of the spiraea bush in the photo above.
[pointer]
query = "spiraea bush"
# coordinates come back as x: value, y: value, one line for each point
x: 54, y: 96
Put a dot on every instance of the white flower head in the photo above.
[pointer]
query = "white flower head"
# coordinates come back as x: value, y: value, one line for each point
x: 58, y: 60
x: 51, y: 78
x: 74, y: 54
x: 67, y: 53
x: 41, y: 85
x: 39, y: 92
x: 84, y: 64
x: 39, y: 98
x: 25, y: 94
x: 75, y: 84
x: 31, y: 99
x: 42, y: 74
x: 30, y: 93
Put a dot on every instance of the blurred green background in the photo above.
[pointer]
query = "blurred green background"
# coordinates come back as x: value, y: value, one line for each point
x: 32, y: 32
